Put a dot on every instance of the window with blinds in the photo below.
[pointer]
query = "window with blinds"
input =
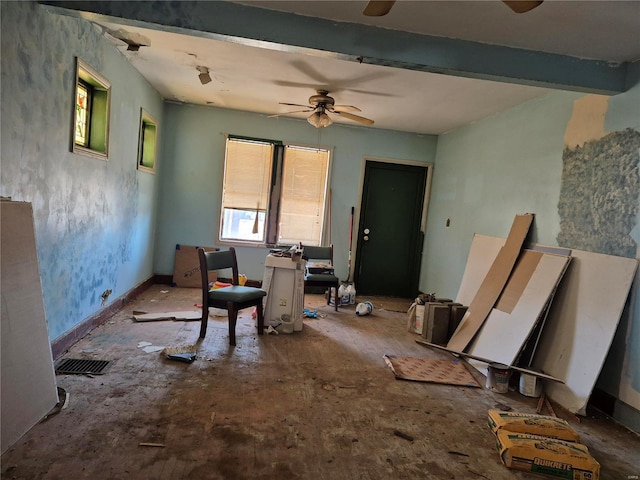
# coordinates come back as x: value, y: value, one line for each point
x: 272, y: 193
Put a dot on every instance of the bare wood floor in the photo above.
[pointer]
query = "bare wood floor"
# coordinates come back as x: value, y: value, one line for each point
x: 317, y: 404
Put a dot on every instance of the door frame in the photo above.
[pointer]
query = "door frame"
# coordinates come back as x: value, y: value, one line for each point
x: 425, y: 202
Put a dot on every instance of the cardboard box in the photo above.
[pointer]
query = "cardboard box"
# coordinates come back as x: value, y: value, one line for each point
x: 186, y: 268
x: 546, y: 426
x: 437, y: 325
x: 420, y: 319
x: 546, y: 456
x: 457, y: 312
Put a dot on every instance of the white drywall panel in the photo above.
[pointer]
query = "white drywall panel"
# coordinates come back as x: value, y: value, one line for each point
x: 27, y: 376
x: 582, y: 321
x: 503, y: 334
x: 484, y: 250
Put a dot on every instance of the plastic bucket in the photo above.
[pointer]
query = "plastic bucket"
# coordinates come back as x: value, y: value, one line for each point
x: 498, y: 377
x: 287, y: 324
x: 530, y: 385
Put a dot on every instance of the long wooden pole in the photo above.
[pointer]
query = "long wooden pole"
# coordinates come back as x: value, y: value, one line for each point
x: 486, y: 360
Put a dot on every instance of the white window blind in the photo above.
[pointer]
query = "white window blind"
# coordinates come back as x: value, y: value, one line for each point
x: 284, y: 210
x: 247, y: 175
x: 304, y: 183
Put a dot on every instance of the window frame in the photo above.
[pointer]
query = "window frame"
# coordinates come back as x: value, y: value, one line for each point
x: 272, y: 211
x: 146, y: 119
x: 99, y: 112
x: 87, y: 125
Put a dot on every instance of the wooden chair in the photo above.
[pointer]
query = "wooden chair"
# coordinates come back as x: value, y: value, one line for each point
x: 233, y: 298
x: 319, y: 271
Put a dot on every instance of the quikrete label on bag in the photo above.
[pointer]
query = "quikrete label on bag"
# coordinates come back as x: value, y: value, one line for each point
x: 546, y: 456
x: 544, y: 425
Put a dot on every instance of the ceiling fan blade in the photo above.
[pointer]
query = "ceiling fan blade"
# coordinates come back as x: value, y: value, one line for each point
x: 289, y: 113
x: 343, y: 108
x: 355, y: 118
x: 522, y: 6
x: 377, y: 8
x: 296, y: 105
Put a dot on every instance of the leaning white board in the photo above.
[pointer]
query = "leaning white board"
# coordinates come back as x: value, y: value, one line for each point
x: 28, y: 386
x: 504, y: 334
x: 483, y: 252
x: 582, y: 320
x: 581, y: 324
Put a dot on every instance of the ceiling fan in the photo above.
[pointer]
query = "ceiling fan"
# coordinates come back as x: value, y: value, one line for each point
x: 378, y: 8
x: 320, y: 104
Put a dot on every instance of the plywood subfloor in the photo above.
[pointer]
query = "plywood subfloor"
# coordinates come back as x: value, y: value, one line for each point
x: 318, y: 404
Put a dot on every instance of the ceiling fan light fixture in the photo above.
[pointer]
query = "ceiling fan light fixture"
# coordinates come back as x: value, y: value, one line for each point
x: 204, y: 75
x: 319, y: 119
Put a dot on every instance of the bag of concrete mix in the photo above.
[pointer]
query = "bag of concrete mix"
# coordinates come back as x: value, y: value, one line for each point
x: 532, y: 423
x: 546, y: 456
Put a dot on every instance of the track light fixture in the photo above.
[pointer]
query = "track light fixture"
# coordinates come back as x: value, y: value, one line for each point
x: 319, y: 119
x: 204, y: 75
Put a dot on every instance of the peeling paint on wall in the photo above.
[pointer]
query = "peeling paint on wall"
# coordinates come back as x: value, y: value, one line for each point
x: 587, y: 121
x: 598, y: 203
x: 94, y: 219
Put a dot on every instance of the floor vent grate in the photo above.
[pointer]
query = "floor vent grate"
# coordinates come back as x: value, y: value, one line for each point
x: 82, y: 366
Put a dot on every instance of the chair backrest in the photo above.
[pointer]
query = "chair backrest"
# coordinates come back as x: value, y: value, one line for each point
x: 218, y: 260
x: 318, y: 253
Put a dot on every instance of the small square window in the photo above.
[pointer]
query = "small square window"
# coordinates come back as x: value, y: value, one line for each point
x: 147, y: 142
x: 91, y: 112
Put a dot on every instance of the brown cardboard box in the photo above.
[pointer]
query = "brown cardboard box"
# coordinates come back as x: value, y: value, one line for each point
x: 435, y: 329
x: 457, y: 312
x: 186, y: 269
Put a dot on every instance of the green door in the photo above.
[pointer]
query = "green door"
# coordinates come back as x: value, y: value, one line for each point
x: 389, y: 245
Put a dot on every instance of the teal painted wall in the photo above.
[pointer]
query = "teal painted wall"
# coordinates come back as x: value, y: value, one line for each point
x: 512, y: 163
x: 191, y: 178
x: 94, y: 220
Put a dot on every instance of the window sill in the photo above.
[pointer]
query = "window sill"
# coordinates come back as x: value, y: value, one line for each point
x: 77, y: 149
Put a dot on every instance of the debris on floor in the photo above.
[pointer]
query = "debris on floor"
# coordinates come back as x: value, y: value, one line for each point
x: 149, y: 347
x: 177, y: 316
x: 310, y: 313
x: 63, y: 403
x: 271, y: 330
x: 181, y: 353
x: 433, y: 370
x: 364, y: 308
x: 400, y: 434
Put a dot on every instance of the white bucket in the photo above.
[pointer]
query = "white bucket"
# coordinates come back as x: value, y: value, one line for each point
x: 287, y: 324
x: 498, y: 377
x: 530, y: 385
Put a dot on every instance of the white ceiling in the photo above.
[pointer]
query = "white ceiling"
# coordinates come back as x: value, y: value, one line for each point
x: 257, y: 79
